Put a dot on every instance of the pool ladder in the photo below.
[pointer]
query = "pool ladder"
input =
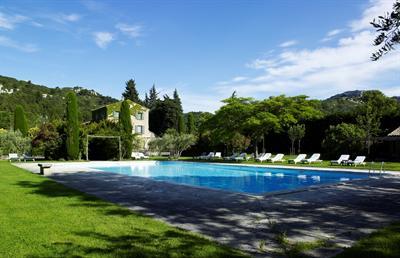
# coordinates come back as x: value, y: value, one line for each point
x: 373, y: 170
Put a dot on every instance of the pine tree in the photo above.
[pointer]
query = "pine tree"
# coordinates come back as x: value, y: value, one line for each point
x: 152, y: 97
x: 177, y: 100
x: 131, y: 92
x: 191, y: 126
x: 72, y: 127
x: 181, y: 125
x: 146, y: 100
x: 126, y: 129
x: 20, y: 120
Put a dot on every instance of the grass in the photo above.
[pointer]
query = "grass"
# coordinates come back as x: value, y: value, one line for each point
x: 41, y: 218
x: 384, y: 243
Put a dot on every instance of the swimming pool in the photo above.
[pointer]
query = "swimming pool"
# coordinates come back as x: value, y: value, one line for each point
x: 235, y: 178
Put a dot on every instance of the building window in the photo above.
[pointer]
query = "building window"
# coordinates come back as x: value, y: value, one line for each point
x: 139, y: 116
x: 139, y: 129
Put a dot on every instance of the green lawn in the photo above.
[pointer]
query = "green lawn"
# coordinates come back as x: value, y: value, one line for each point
x: 385, y: 243
x: 41, y: 218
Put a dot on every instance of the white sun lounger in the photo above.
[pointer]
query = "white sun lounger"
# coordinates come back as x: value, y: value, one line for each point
x: 218, y: 155
x: 342, y: 158
x: 359, y: 160
x: 298, y: 159
x: 312, y: 159
x: 139, y: 155
x: 232, y: 157
x: 264, y: 157
x: 13, y: 157
x: 242, y: 156
x: 278, y: 158
x: 209, y: 156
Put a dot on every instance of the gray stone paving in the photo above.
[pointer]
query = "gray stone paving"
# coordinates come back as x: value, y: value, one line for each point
x: 342, y: 213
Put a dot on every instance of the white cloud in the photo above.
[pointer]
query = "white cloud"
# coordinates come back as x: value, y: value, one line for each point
x: 10, y: 21
x: 64, y: 18
x: 375, y: 8
x: 323, y: 71
x: 7, y: 42
x: 288, y: 43
x: 133, y: 31
x: 239, y: 78
x: 73, y: 17
x: 331, y: 34
x: 102, y: 39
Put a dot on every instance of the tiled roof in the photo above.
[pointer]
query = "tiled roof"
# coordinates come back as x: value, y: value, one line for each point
x: 396, y: 132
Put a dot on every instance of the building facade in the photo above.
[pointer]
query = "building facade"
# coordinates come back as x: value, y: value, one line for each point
x: 139, y: 118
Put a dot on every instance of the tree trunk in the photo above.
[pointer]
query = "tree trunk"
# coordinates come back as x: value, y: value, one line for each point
x: 292, y: 148
x: 256, y: 148
x: 263, y: 144
x: 298, y: 148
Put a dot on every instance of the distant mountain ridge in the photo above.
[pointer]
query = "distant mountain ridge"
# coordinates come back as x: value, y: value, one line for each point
x: 42, y: 103
x: 353, y: 94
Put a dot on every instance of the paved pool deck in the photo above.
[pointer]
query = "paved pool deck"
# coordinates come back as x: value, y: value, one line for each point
x: 341, y: 213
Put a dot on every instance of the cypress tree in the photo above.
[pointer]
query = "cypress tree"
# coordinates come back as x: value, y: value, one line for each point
x: 126, y: 129
x: 131, y: 93
x: 153, y: 97
x: 178, y: 101
x: 146, y: 100
x: 72, y: 127
x: 191, y: 126
x: 181, y: 124
x: 20, y: 120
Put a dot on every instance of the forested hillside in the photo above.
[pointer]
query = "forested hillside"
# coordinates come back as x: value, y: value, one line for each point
x: 42, y: 103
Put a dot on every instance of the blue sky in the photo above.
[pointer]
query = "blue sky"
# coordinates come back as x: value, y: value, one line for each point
x: 205, y: 49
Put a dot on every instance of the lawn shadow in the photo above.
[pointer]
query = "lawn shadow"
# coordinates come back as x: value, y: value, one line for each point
x: 138, y: 243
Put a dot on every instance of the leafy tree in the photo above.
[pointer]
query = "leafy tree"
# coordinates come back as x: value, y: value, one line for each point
x: 344, y: 138
x: 296, y: 133
x: 228, y: 122
x: 48, y: 142
x: 20, y: 120
x: 374, y: 104
x: 5, y: 119
x: 173, y: 142
x: 238, y: 142
x: 126, y: 129
x: 14, y: 142
x: 388, y: 27
x: 181, y: 124
x: 260, y: 122
x: 191, y: 125
x: 131, y: 92
x: 72, y: 141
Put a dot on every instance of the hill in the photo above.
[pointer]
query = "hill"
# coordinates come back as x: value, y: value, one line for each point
x: 42, y: 103
x: 345, y: 102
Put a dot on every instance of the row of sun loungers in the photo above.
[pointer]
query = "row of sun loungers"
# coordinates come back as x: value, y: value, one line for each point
x: 301, y: 158
x: 345, y: 160
x: 24, y: 157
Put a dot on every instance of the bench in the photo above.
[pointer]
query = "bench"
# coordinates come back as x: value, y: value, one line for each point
x: 43, y: 167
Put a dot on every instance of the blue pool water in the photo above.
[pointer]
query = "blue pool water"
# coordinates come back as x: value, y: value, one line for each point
x: 244, y: 179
